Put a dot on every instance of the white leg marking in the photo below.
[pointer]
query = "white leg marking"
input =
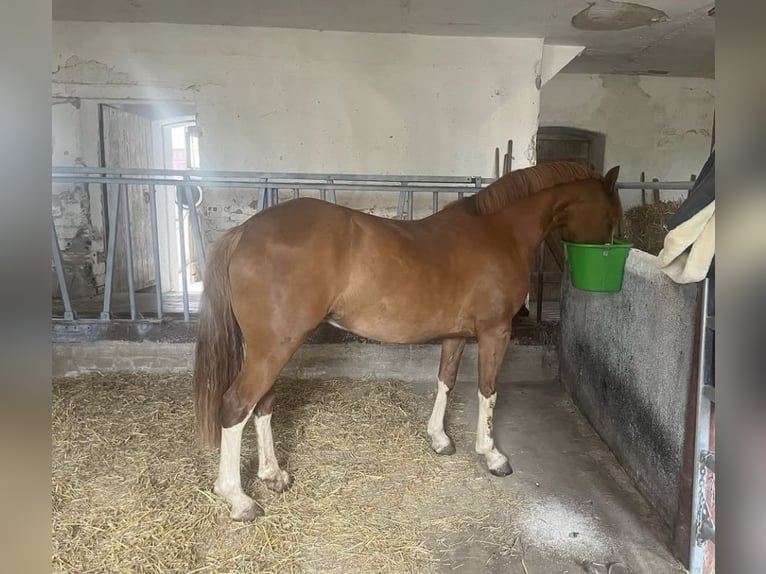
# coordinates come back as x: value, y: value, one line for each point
x: 229, y: 484
x: 268, y: 467
x: 485, y: 443
x: 440, y: 442
x: 526, y: 301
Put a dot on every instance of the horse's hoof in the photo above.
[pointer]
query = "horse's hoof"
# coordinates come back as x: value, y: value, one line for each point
x: 502, y: 470
x: 446, y: 450
x: 246, y: 512
x: 279, y: 483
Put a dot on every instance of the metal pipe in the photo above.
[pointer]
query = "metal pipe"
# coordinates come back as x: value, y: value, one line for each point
x: 182, y: 246
x: 114, y: 208
x: 644, y: 185
x: 195, y: 228
x: 262, y: 200
x: 156, y: 249
x: 331, y: 192
x: 59, y: 264
x: 195, y: 174
x: 701, y: 435
x: 411, y: 206
x: 540, y: 284
x: 260, y: 185
x: 435, y: 202
x: 129, y: 253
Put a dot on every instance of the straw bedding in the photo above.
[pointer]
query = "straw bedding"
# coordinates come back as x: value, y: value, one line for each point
x: 132, y: 493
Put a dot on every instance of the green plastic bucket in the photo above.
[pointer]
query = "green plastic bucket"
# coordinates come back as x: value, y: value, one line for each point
x: 597, y: 267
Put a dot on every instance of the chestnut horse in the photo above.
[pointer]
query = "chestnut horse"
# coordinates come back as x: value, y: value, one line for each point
x: 461, y: 272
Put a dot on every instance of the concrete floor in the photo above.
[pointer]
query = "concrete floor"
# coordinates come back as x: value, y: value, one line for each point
x: 577, y: 505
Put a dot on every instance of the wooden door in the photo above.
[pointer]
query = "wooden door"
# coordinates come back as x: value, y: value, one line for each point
x: 564, y: 144
x: 127, y: 143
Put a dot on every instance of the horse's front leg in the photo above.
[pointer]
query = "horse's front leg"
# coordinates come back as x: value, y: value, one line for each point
x: 493, y: 344
x: 452, y: 350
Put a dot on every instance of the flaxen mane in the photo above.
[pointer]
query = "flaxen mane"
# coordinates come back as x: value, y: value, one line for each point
x: 523, y: 182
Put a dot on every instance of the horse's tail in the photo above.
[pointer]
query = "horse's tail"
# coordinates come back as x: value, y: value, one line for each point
x: 219, y: 350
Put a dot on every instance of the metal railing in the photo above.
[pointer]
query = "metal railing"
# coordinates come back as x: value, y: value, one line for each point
x: 268, y: 186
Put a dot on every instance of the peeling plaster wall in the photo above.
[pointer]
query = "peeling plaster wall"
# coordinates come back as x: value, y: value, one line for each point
x: 81, y: 243
x: 658, y: 125
x: 296, y: 100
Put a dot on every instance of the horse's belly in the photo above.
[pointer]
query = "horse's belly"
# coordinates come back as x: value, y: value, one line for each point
x: 391, y: 328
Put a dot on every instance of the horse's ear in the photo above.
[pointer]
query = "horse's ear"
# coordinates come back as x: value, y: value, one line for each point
x: 610, y: 179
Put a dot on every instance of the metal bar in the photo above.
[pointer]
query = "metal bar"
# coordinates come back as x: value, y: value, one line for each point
x: 274, y: 196
x: 156, y: 249
x: 114, y: 208
x: 540, y: 284
x: 59, y: 264
x: 410, y: 206
x: 639, y: 185
x: 360, y: 186
x: 196, y: 230
x: 182, y: 246
x: 400, y: 206
x: 261, y: 184
x: 202, y: 174
x: 262, y: 200
x: 102, y: 164
x: 435, y: 202
x: 128, y: 252
x: 709, y: 392
x: 701, y: 438
x: 296, y: 193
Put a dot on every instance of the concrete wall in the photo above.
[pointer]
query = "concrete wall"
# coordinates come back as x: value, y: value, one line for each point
x: 410, y: 363
x: 298, y: 100
x: 626, y: 358
x: 658, y: 125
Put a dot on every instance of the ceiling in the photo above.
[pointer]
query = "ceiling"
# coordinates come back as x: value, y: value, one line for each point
x: 663, y: 37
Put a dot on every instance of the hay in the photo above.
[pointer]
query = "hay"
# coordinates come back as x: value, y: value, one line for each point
x: 645, y: 225
x: 131, y: 492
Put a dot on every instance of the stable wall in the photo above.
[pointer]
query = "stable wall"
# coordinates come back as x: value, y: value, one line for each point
x: 305, y: 101
x: 73, y: 206
x: 661, y: 126
x: 626, y: 359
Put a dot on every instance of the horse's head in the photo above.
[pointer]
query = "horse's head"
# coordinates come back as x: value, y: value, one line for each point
x: 592, y: 211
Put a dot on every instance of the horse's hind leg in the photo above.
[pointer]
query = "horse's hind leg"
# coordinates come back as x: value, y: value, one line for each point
x: 229, y: 483
x: 268, y: 467
x: 452, y: 350
x: 263, y: 363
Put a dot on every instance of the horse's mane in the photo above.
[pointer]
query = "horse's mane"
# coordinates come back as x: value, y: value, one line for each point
x: 522, y: 183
